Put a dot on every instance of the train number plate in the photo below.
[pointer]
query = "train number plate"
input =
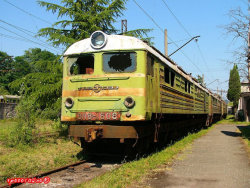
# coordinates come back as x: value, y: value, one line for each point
x: 93, y: 116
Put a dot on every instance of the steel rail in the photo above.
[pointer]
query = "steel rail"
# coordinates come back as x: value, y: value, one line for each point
x: 45, y: 173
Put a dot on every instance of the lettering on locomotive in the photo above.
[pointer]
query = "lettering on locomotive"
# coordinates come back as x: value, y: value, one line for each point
x: 97, y: 88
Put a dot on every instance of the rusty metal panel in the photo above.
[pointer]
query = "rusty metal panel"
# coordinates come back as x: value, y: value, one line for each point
x: 108, y: 131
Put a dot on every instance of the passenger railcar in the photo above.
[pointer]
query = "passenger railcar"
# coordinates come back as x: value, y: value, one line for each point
x: 119, y: 88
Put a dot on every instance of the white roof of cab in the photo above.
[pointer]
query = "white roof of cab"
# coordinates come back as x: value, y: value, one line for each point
x: 121, y: 42
x: 114, y: 42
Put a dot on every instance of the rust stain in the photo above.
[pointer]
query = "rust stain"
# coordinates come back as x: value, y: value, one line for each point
x: 124, y: 118
x: 108, y: 75
x: 133, y: 118
x: 119, y: 92
x: 66, y: 118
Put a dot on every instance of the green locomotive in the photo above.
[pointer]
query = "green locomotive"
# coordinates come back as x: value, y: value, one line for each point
x: 119, y: 88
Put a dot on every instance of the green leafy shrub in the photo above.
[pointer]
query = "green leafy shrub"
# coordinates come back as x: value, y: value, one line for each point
x: 25, y: 130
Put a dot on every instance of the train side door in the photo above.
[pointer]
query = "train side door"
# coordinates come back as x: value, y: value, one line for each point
x: 150, y: 83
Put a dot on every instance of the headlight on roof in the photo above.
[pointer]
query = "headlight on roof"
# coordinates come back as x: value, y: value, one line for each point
x: 98, y: 39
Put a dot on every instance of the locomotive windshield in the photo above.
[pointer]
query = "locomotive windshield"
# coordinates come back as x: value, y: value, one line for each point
x: 119, y: 62
x: 81, y: 65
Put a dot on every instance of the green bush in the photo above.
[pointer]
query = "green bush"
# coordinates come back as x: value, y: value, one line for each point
x: 25, y: 130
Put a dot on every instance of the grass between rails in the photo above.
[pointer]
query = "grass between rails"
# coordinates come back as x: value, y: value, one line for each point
x: 134, y: 171
x: 22, y: 160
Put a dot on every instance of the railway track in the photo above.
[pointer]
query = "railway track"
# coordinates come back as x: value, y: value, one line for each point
x: 69, y: 175
x: 46, y: 173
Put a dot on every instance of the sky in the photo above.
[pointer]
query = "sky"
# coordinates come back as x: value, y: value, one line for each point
x: 202, y: 18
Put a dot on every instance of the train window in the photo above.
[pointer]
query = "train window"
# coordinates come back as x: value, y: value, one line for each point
x: 119, y: 62
x: 166, y: 75
x: 186, y: 85
x: 81, y: 65
x: 189, y: 87
x: 150, y: 65
x: 172, y: 78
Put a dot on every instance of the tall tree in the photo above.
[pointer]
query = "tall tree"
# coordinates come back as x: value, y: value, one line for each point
x: 83, y: 17
x: 200, y: 80
x: 233, y: 93
x: 11, y: 69
x: 42, y: 87
x: 238, y: 29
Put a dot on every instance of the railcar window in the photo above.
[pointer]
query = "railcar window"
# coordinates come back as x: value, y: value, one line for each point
x: 189, y: 87
x: 166, y: 75
x: 81, y: 65
x: 172, y: 78
x: 119, y: 62
x: 150, y: 65
x: 186, y: 85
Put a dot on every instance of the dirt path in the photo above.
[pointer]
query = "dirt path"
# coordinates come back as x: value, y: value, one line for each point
x: 217, y: 159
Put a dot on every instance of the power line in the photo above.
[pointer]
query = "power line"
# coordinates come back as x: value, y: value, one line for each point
x: 176, y: 18
x: 149, y: 16
x: 22, y: 39
x: 19, y: 28
x: 163, y: 32
x: 179, y: 40
x: 26, y: 38
x: 12, y: 37
x: 28, y: 12
x: 183, y: 27
x: 202, y: 56
x: 25, y: 31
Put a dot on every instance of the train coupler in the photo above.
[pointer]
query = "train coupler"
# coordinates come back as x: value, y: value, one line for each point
x: 92, y: 134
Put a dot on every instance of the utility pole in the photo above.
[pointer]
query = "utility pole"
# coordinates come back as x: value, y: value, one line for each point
x: 248, y: 54
x: 166, y: 42
x: 124, y: 26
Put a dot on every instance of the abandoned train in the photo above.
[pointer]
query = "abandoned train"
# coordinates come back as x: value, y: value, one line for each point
x: 118, y: 88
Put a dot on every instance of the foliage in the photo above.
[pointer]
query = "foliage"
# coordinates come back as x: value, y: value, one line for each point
x: 141, y: 34
x: 238, y: 29
x: 42, y: 86
x: 11, y: 69
x: 22, y: 162
x: 245, y: 131
x: 23, y: 132
x: 3, y: 90
x: 200, y: 80
x: 234, y: 85
x: 82, y: 18
x: 36, y: 54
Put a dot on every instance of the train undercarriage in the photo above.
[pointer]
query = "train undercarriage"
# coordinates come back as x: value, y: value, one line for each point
x: 132, y: 138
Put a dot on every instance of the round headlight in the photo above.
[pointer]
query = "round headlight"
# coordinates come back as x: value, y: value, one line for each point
x: 98, y: 39
x: 129, y: 102
x: 69, y: 103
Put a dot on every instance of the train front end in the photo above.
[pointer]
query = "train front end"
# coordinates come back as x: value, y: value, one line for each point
x: 104, y: 88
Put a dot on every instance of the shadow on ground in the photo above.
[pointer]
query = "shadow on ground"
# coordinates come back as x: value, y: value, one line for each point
x: 233, y: 134
x: 245, y: 131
